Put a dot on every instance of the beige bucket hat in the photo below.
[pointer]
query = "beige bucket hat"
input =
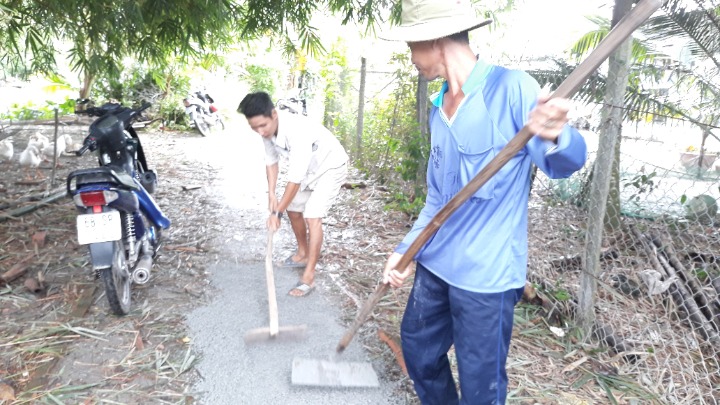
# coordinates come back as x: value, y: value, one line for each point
x: 425, y: 20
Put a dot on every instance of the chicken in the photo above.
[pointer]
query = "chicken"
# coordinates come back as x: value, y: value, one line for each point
x: 30, y: 158
x: 6, y: 150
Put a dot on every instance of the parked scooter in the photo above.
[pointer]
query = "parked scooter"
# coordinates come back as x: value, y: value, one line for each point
x: 119, y: 220
x: 207, y: 99
x: 292, y: 104
x: 203, y: 114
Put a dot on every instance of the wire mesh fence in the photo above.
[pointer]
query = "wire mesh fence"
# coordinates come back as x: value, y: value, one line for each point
x: 657, y: 305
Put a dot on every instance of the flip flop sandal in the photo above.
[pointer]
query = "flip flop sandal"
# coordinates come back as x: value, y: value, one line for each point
x: 288, y: 262
x: 303, y: 288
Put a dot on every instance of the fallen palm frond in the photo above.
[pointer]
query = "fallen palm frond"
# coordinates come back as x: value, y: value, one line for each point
x: 93, y: 334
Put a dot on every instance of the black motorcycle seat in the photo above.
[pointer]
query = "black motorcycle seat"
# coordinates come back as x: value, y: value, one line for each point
x: 101, y: 175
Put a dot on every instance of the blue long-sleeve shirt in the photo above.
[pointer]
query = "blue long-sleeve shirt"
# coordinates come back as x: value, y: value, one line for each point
x: 482, y: 247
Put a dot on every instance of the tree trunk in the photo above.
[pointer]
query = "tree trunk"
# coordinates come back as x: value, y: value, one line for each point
x: 706, y: 132
x: 614, y: 211
x: 611, y: 125
x: 88, y: 80
x: 600, y: 187
x: 361, y: 110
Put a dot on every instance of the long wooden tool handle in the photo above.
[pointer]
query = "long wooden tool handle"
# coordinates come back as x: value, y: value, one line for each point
x: 272, y: 299
x: 567, y: 89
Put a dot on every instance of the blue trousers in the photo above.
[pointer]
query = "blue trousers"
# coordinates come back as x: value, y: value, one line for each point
x: 439, y: 315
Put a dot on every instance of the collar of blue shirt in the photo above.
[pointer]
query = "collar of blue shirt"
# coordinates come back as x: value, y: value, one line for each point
x: 476, y: 78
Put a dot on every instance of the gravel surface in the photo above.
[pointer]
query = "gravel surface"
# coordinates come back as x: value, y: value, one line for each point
x: 232, y: 372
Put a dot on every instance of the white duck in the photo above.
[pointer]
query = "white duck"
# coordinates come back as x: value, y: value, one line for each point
x: 6, y: 150
x: 48, y: 150
x: 39, y: 140
x: 70, y: 146
x: 30, y: 158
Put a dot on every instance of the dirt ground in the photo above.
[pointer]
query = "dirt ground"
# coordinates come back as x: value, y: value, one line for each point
x: 59, y: 344
x: 58, y: 341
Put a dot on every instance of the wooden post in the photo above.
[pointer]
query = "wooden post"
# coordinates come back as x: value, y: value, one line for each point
x: 55, y: 154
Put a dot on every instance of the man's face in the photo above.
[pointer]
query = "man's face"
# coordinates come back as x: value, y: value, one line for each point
x: 265, y: 126
x: 425, y: 57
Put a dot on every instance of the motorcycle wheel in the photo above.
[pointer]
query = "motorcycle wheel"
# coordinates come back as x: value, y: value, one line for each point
x: 116, y: 280
x: 202, y: 127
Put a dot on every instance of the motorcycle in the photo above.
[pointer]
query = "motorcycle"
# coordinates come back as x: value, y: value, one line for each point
x: 293, y: 105
x: 203, y: 115
x: 206, y: 98
x: 118, y: 219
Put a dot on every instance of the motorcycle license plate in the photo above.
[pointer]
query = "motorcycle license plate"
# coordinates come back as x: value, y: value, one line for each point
x: 101, y: 227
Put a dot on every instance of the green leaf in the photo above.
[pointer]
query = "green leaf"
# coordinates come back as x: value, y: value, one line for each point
x: 562, y: 295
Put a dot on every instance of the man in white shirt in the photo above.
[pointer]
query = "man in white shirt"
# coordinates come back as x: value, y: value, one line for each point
x: 317, y: 169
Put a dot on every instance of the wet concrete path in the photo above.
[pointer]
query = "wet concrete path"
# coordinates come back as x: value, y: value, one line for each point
x: 231, y: 371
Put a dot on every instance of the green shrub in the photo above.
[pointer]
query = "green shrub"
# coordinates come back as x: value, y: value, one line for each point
x: 165, y: 89
x: 31, y: 111
x: 394, y: 150
x: 261, y: 78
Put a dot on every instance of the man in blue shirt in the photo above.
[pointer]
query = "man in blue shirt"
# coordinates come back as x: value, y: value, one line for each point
x: 471, y: 273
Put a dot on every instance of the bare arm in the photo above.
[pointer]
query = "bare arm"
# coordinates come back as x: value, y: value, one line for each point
x: 273, y: 222
x: 291, y: 190
x: 272, y: 176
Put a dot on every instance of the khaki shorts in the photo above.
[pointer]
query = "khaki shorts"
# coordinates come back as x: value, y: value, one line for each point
x: 318, y: 197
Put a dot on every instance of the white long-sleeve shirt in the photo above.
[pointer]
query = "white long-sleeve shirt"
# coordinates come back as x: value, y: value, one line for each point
x: 311, y: 149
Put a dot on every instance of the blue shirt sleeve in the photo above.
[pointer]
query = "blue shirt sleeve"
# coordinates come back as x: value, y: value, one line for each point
x: 562, y: 159
x: 555, y: 160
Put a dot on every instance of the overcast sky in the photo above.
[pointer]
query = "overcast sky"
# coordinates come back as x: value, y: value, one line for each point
x: 544, y: 27
x: 535, y: 28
